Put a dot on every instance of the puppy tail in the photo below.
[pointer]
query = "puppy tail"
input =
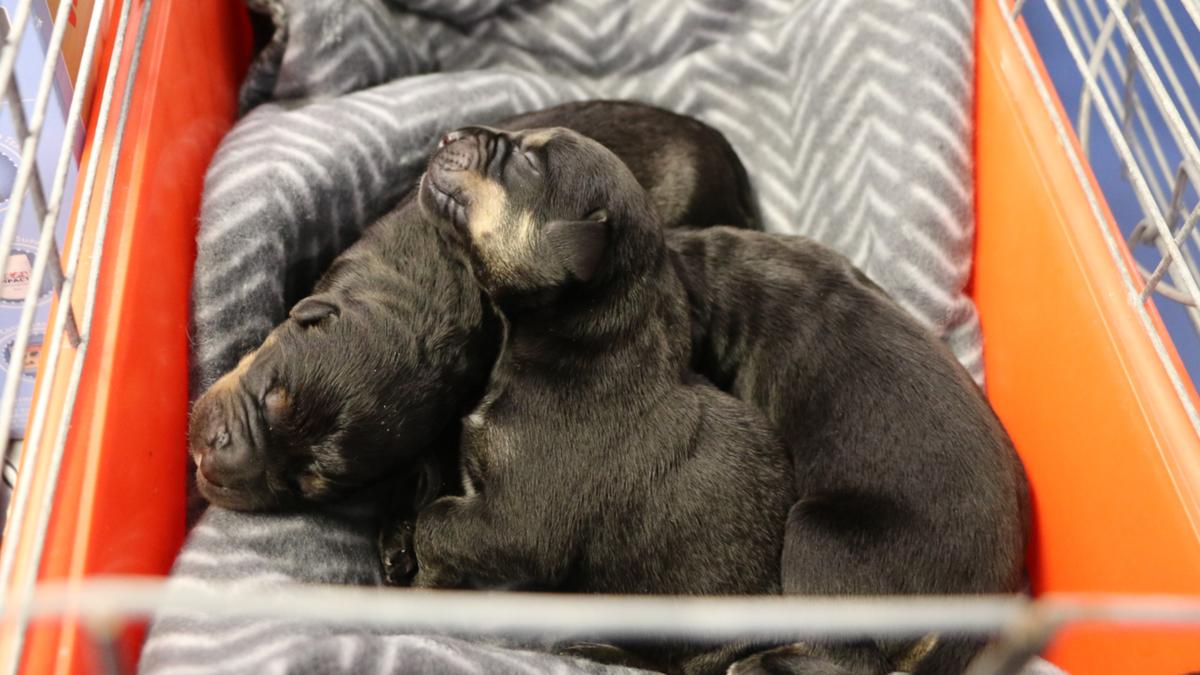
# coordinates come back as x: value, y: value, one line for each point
x: 949, y: 657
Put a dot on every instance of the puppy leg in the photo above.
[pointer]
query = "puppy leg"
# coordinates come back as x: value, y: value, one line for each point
x: 461, y: 541
x: 839, y: 547
x: 398, y: 514
x: 442, y: 541
x: 396, y: 552
x: 721, y: 659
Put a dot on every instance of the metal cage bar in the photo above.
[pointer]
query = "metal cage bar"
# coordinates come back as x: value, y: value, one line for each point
x: 1022, y: 625
x: 8, y: 56
x: 1174, y: 277
x: 1167, y: 95
x: 24, y: 513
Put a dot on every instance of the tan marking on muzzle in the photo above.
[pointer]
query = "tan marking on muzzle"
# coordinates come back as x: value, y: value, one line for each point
x: 488, y: 205
x: 507, y: 248
x: 501, y: 238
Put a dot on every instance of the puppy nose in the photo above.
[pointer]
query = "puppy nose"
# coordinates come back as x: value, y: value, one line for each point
x: 228, y: 463
x: 219, y: 443
x: 465, y: 149
x: 452, y: 137
x: 210, y: 431
x: 218, y: 438
x: 208, y: 467
x: 481, y: 133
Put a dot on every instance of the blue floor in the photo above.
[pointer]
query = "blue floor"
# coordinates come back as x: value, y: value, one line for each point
x: 1105, y: 164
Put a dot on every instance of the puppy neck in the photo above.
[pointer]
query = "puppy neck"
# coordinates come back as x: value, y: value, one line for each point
x: 634, y: 288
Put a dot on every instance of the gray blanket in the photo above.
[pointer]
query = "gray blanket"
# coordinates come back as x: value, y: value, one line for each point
x: 852, y: 117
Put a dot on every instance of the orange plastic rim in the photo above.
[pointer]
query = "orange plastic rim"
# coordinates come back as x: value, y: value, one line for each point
x: 1071, y: 364
x: 119, y: 507
x: 1072, y: 368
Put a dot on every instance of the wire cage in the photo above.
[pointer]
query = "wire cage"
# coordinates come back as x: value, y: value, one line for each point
x: 1140, y: 87
x: 1081, y: 367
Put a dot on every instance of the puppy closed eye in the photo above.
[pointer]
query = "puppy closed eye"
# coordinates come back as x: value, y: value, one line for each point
x: 532, y: 159
x: 276, y: 404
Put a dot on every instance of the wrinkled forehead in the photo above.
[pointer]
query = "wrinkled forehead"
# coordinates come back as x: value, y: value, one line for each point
x: 536, y: 139
x: 571, y: 157
x: 293, y: 350
x: 548, y: 137
x: 319, y: 361
x: 562, y: 143
x: 248, y: 365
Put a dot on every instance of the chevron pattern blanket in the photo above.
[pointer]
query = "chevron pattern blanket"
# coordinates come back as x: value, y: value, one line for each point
x: 852, y: 116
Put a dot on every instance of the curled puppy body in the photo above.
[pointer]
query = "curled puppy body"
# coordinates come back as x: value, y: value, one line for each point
x: 906, y: 481
x: 378, y: 364
x: 596, y: 460
x: 692, y: 174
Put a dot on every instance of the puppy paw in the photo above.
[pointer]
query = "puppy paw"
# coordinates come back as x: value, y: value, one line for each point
x: 788, y: 660
x: 605, y: 654
x: 397, y: 554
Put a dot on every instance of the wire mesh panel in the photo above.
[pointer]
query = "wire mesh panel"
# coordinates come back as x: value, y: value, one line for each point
x: 1023, y: 626
x: 28, y: 515
x: 1131, y: 83
x: 26, y: 193
x: 1135, y: 97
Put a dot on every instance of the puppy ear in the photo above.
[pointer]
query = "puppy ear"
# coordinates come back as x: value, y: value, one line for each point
x: 313, y: 310
x: 579, y: 244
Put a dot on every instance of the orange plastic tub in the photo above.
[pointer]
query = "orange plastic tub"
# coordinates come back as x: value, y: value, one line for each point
x: 1072, y: 368
x: 119, y: 507
x: 1075, y: 364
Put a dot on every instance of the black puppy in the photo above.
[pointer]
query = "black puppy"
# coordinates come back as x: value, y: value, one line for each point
x: 596, y: 460
x: 379, y: 363
x: 691, y: 173
x: 901, y: 438
x: 906, y: 481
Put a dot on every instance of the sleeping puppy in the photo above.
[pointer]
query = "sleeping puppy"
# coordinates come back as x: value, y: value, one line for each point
x: 867, y: 402
x: 691, y: 173
x: 596, y: 461
x: 906, y: 481
x: 375, y: 367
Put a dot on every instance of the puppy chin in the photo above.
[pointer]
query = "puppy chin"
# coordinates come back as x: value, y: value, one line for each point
x: 235, y: 499
x: 435, y: 201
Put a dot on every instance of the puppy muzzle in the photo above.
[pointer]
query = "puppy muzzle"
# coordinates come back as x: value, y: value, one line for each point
x: 465, y: 155
x: 224, y: 446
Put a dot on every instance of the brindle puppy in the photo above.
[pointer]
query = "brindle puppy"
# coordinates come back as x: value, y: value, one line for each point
x: 373, y: 369
x: 596, y: 461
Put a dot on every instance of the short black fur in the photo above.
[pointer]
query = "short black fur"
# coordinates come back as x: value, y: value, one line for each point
x: 897, y: 458
x: 596, y: 460
x: 394, y: 342
x: 906, y: 481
